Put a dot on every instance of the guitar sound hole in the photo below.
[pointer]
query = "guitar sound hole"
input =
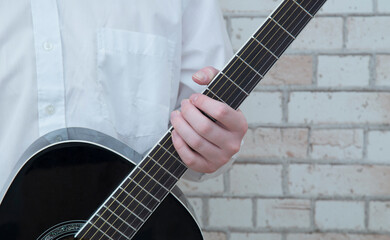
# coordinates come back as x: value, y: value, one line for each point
x: 62, y: 231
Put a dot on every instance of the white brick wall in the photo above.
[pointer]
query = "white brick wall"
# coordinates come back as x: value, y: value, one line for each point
x: 379, y: 216
x: 383, y: 70
x: 285, y: 213
x: 368, y: 33
x: 327, y: 215
x: 338, y: 71
x: 315, y: 164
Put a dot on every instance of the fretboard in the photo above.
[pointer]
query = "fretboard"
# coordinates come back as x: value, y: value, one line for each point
x: 131, y: 204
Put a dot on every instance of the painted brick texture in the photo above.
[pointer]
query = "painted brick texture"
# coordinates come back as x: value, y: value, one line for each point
x: 315, y: 163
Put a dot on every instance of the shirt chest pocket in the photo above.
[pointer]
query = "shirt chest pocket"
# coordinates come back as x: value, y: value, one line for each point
x: 135, y: 71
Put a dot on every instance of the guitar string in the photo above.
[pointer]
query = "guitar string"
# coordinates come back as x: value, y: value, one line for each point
x: 169, y: 136
x: 155, y: 164
x: 127, y: 195
x: 244, y: 50
x: 253, y: 59
x: 121, y: 202
x: 156, y: 180
x: 284, y: 23
x: 250, y: 62
x: 278, y: 48
x: 258, y: 44
x: 131, y: 180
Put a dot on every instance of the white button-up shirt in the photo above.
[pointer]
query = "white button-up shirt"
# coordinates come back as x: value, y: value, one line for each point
x: 119, y: 67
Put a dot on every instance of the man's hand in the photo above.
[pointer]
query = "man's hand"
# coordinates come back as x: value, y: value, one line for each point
x: 204, y: 145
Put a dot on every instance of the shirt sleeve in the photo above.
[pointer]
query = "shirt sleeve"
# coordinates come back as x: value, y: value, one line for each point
x: 205, y: 42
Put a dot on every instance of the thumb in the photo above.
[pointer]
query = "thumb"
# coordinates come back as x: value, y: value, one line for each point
x: 205, y: 75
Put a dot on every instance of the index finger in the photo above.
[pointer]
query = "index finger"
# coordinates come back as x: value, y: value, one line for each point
x: 223, y: 113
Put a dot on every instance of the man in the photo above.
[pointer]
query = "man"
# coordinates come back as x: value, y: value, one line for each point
x: 119, y: 67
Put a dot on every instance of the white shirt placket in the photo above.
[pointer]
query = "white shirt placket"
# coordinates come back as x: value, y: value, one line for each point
x: 49, y: 65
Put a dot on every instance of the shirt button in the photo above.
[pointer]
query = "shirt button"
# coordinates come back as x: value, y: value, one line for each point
x: 48, y: 46
x: 50, y: 109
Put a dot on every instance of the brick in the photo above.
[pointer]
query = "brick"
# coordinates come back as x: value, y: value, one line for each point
x: 379, y: 216
x: 336, y: 144
x: 243, y: 29
x: 340, y: 7
x: 368, y: 33
x: 383, y: 70
x: 197, y: 205
x: 290, y: 70
x: 253, y: 179
x: 339, y: 215
x: 263, y: 107
x: 339, y: 107
x: 336, y: 180
x: 378, y: 150
x: 214, y: 236
x: 322, y: 33
x: 283, y: 213
x: 383, y: 6
x: 336, y: 236
x: 258, y: 6
x: 210, y: 186
x: 230, y: 212
x: 336, y: 71
x: 275, y: 143
x: 255, y: 236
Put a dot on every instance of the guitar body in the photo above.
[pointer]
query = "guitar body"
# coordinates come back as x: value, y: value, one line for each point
x: 61, y: 186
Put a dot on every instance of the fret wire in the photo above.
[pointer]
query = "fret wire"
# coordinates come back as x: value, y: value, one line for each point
x: 132, y: 180
x: 125, y: 208
x: 131, y: 212
x: 269, y: 40
x: 181, y: 162
x: 172, y: 153
x: 282, y: 28
x: 124, y: 221
x: 154, y: 185
x: 134, y: 198
x: 248, y: 63
x: 144, y: 190
x: 235, y: 84
x: 128, y: 194
x: 265, y: 48
x: 303, y: 9
x: 240, y: 64
x: 215, y: 95
x: 168, y: 141
x: 228, y: 89
x: 117, y: 230
x: 315, y: 4
x: 104, y: 234
x: 259, y: 74
x: 162, y: 167
x: 167, y: 160
x: 276, y: 13
x: 139, y: 203
x: 301, y: 19
x: 244, y: 61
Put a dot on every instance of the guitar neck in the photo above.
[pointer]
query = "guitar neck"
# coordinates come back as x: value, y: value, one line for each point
x: 130, y: 205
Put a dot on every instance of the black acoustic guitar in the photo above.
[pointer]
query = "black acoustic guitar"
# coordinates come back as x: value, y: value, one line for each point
x: 91, y: 186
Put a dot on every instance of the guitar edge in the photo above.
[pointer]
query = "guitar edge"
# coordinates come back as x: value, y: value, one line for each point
x: 61, y: 186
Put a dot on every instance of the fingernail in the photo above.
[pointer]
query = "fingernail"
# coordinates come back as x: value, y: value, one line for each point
x: 194, y: 97
x: 200, y: 75
x: 174, y: 113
